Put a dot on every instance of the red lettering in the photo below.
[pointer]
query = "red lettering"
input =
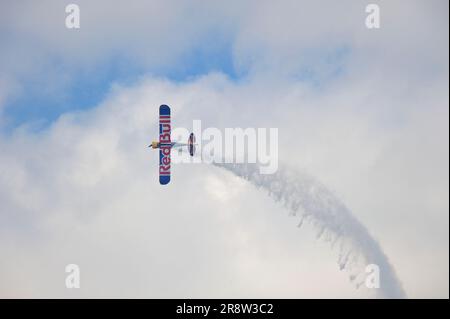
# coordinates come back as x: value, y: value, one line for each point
x: 164, y: 170
x: 165, y: 150
x: 165, y: 128
x: 164, y: 138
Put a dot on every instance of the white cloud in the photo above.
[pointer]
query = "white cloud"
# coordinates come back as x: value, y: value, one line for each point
x: 84, y: 190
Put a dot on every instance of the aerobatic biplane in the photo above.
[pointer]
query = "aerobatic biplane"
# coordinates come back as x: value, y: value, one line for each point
x: 165, y: 144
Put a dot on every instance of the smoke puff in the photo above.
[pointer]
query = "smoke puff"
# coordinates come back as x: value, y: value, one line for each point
x: 307, y: 198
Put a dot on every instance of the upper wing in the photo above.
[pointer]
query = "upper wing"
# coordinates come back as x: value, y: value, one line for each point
x: 165, y: 144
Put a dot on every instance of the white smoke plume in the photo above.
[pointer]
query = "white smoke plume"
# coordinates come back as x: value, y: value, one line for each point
x: 311, y: 201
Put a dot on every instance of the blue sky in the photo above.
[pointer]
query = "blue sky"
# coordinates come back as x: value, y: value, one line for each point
x: 87, y: 88
x: 56, y: 70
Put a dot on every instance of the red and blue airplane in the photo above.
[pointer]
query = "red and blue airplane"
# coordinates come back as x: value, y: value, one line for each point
x: 165, y: 144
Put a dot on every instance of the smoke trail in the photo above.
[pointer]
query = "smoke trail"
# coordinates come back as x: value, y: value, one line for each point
x: 303, y: 195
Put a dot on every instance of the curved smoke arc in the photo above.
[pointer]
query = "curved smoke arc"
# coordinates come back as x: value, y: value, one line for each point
x: 306, y: 197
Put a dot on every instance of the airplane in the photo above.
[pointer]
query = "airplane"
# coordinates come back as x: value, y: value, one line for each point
x: 165, y: 144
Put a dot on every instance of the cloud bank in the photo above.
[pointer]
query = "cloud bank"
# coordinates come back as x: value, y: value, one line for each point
x: 302, y: 194
x: 365, y: 112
